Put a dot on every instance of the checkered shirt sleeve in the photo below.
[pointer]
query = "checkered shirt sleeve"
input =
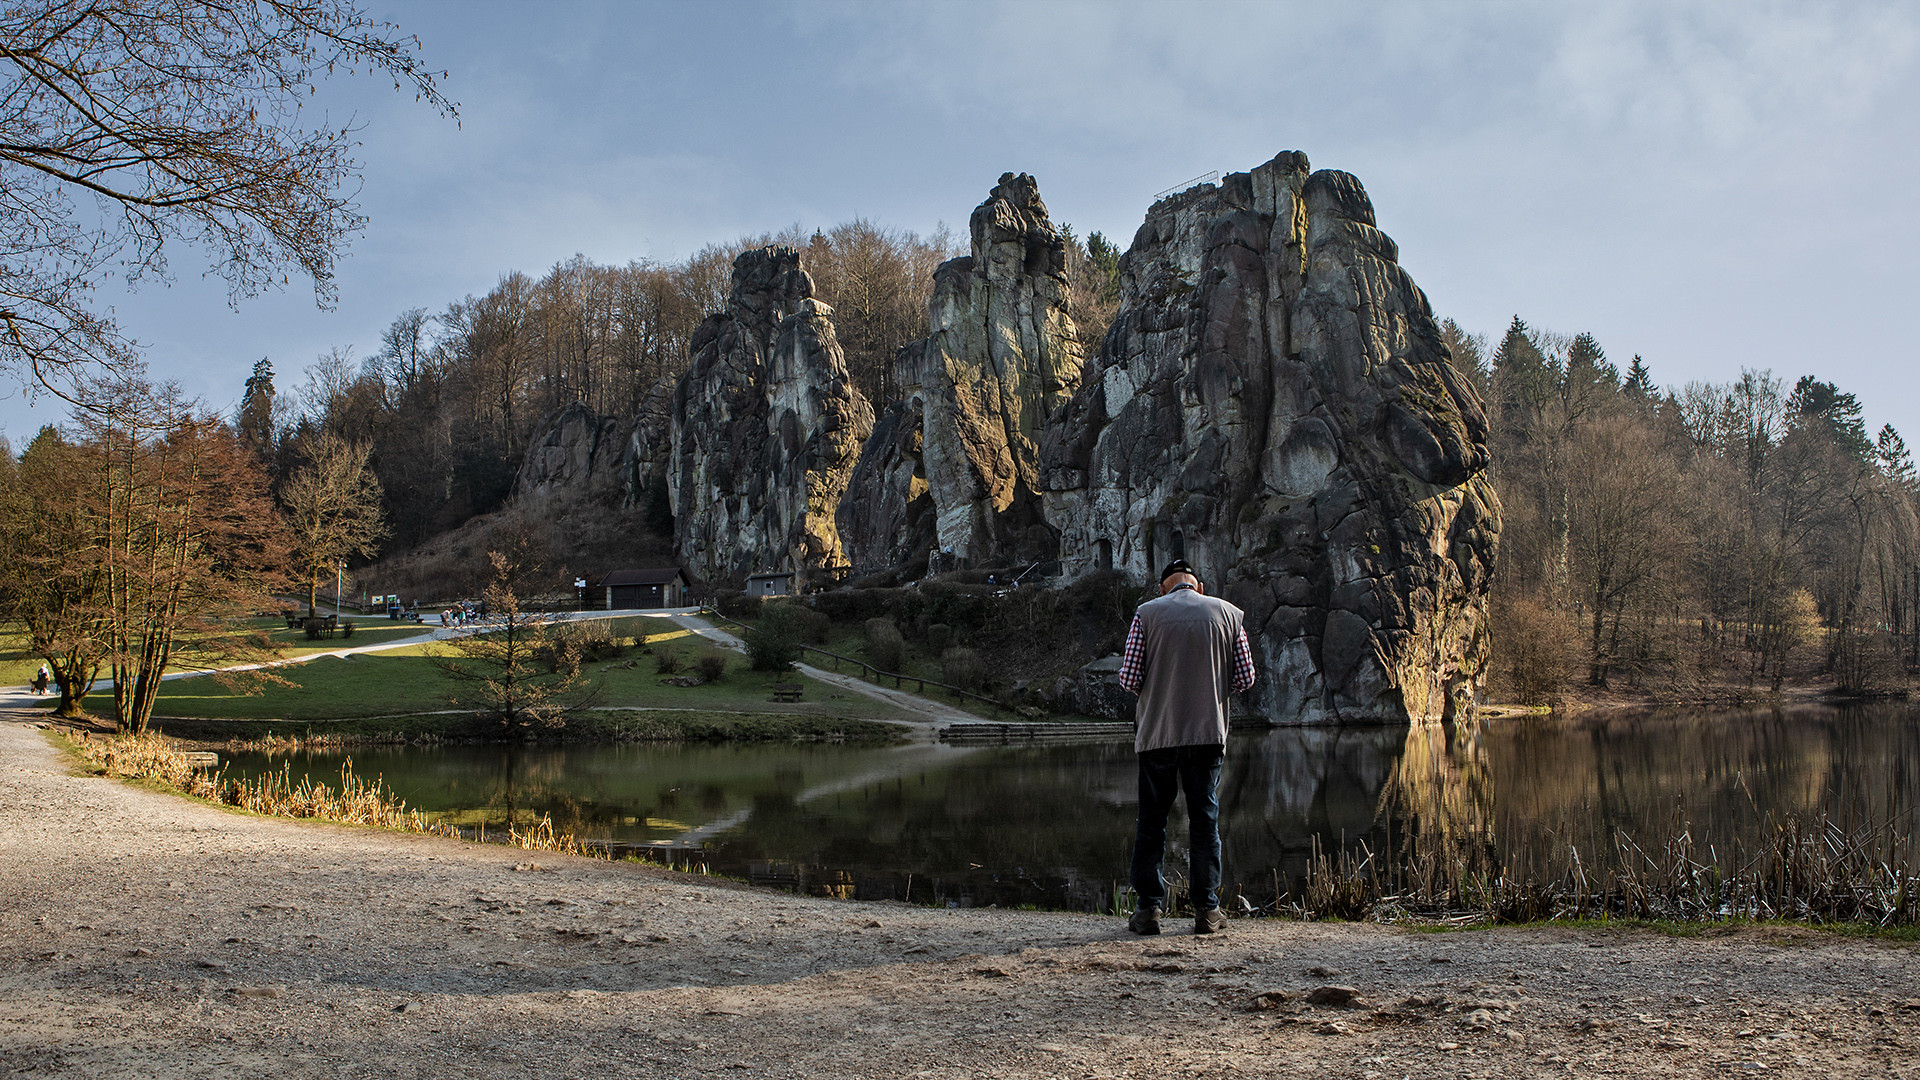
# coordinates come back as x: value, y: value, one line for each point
x: 1131, y: 659
x: 1243, y: 673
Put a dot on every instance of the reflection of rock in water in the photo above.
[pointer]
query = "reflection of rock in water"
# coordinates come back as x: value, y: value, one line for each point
x: 1284, y: 788
x: 1439, y: 798
x: 1399, y: 791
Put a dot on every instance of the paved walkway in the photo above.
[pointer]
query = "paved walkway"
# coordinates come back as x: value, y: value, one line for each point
x: 933, y: 713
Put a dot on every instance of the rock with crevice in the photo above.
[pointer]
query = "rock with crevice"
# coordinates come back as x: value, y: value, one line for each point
x: 1275, y: 404
x: 579, y: 455
x: 766, y: 429
x: 956, y: 463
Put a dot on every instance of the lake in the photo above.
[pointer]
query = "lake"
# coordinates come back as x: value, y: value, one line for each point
x: 1050, y: 825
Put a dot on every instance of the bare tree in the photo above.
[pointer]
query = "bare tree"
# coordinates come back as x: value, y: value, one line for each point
x: 130, y: 125
x: 333, y: 509
x: 1626, y: 537
x: 521, y: 674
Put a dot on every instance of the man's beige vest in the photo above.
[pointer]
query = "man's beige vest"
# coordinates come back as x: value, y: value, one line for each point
x: 1187, y: 675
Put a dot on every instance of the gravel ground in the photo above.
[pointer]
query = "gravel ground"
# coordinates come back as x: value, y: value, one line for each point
x: 145, y: 935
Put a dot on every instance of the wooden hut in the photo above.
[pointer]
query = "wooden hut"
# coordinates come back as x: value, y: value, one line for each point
x: 665, y: 587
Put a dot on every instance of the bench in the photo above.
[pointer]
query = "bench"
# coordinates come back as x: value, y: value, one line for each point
x: 787, y: 691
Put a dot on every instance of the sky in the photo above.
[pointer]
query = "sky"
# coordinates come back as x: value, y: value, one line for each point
x: 1710, y: 186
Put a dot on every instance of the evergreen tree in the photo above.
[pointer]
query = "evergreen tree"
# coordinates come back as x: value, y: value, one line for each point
x: 1524, y: 379
x: 1589, y: 380
x: 1821, y: 406
x: 1639, y: 382
x: 1895, y: 461
x: 255, y: 421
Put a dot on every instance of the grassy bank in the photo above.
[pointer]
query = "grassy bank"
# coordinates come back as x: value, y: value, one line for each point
x: 604, y: 726
x: 406, y: 680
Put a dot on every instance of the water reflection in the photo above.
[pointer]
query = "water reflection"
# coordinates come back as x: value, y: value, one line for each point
x: 1049, y: 825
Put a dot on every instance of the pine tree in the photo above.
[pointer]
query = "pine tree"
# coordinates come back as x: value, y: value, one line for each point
x: 255, y: 422
x: 1821, y: 405
x: 1895, y: 461
x: 1639, y: 380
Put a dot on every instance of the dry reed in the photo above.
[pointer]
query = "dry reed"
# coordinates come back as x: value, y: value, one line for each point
x: 355, y: 801
x: 1811, y: 871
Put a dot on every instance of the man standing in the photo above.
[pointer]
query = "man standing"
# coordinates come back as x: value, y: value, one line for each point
x: 1186, y: 654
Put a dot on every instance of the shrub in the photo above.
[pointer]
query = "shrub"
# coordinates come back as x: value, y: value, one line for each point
x: 854, y: 605
x: 886, y: 649
x: 939, y: 636
x: 963, y: 668
x: 775, y: 643
x: 1534, y: 651
x: 666, y: 661
x: 736, y: 605
x: 711, y: 666
x: 346, y: 628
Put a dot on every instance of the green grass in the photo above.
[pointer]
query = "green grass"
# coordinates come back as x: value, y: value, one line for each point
x: 366, y: 632
x: 406, y: 680
x: 17, y: 665
x: 851, y: 641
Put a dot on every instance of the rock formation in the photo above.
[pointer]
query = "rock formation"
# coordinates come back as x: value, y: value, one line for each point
x: 956, y: 462
x: 579, y: 455
x: 766, y: 428
x: 1275, y: 404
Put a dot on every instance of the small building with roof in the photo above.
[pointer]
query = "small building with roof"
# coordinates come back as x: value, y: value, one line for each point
x: 780, y: 584
x: 663, y: 587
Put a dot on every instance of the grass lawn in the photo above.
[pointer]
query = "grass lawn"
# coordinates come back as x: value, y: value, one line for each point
x: 406, y: 680
x: 17, y: 665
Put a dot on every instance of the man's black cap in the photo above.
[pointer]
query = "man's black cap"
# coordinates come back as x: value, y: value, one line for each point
x: 1178, y: 566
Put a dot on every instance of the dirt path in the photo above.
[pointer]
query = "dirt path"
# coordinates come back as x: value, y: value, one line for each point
x: 145, y: 935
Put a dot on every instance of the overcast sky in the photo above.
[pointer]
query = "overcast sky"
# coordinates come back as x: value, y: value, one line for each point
x: 1712, y: 186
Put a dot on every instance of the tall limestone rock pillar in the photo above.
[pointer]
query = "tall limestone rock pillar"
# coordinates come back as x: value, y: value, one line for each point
x: 766, y: 430
x: 956, y: 462
x: 1275, y: 404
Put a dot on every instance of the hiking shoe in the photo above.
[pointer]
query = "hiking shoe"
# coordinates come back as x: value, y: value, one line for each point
x: 1145, y: 921
x: 1210, y: 921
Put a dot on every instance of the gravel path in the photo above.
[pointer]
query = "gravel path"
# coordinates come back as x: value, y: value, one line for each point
x: 144, y: 935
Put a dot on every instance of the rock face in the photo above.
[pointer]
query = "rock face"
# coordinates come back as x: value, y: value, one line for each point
x: 956, y: 462
x: 579, y: 455
x: 1274, y: 403
x: 648, y: 457
x: 766, y: 429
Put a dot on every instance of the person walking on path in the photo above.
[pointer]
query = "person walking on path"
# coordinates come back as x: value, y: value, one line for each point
x: 1186, y: 653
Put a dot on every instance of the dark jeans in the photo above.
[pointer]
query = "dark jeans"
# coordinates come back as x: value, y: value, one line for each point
x: 1163, y: 773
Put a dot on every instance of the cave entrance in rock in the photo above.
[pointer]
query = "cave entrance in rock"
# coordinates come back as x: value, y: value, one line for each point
x: 1103, y: 554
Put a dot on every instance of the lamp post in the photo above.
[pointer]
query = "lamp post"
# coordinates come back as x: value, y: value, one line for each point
x: 339, y: 571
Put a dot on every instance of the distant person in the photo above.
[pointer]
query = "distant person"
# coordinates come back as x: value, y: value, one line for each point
x: 40, y: 679
x: 1186, y: 654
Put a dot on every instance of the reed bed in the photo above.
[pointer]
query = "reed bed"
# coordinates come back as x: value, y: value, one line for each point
x: 356, y: 801
x: 1815, y: 871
